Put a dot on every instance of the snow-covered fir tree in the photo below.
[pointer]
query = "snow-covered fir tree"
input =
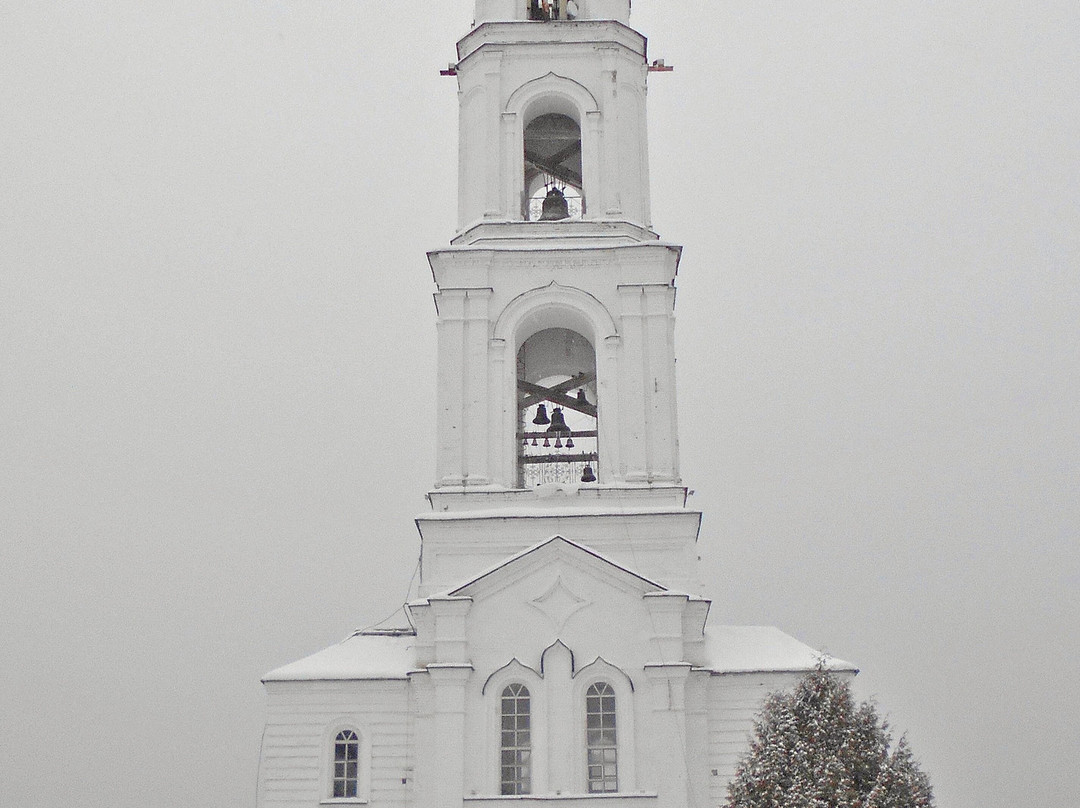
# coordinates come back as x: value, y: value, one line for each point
x: 814, y: 747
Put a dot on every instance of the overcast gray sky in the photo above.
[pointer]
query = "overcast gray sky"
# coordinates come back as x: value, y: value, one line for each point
x: 217, y: 361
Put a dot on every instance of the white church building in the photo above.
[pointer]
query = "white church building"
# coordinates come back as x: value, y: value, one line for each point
x: 558, y: 652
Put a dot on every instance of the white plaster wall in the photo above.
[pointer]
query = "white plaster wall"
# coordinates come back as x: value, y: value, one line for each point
x: 597, y: 71
x: 620, y: 298
x: 432, y: 739
x: 294, y: 770
x: 660, y: 546
x: 613, y: 634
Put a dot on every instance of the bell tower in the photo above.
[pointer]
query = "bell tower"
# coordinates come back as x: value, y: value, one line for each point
x: 556, y: 369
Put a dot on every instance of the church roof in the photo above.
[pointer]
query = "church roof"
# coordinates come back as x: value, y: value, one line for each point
x: 758, y: 649
x: 363, y: 655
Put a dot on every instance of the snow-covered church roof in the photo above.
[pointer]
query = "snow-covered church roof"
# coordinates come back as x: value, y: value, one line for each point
x: 756, y: 649
x: 363, y: 655
x: 391, y: 655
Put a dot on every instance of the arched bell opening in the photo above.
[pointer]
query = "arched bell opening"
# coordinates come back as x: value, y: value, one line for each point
x: 550, y: 10
x: 557, y: 413
x: 553, y: 174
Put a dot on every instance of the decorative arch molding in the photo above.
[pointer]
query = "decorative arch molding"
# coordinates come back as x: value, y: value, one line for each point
x: 549, y: 94
x: 512, y: 671
x: 556, y: 646
x: 554, y: 306
x: 602, y: 670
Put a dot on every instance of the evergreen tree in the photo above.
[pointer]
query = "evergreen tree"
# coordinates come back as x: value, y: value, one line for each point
x: 814, y: 748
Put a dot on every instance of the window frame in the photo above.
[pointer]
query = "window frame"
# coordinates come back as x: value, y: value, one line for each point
x: 603, y: 706
x: 521, y: 783
x: 600, y: 670
x: 363, y: 763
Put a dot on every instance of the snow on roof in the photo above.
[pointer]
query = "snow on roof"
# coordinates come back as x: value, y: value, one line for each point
x: 365, y: 655
x: 755, y: 649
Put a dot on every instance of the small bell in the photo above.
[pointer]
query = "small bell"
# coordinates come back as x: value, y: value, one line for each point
x: 581, y: 397
x: 587, y: 475
x: 569, y: 443
x: 534, y: 442
x: 558, y: 442
x: 555, y: 206
x: 541, y: 415
x: 546, y: 441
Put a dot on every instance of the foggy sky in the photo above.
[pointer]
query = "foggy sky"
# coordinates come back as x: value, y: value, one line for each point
x: 217, y: 357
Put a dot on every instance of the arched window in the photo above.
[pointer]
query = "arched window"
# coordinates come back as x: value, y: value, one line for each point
x: 553, y: 178
x: 556, y: 369
x: 601, y: 748
x: 545, y: 10
x: 346, y: 764
x: 515, y: 760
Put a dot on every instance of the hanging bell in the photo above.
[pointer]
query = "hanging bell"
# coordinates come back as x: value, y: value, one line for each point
x: 587, y: 475
x: 555, y: 206
x: 546, y: 441
x: 534, y: 442
x: 558, y: 423
x: 558, y: 442
x: 541, y: 415
x: 581, y: 397
x: 569, y: 443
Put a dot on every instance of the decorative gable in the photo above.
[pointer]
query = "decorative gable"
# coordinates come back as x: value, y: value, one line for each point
x: 556, y: 591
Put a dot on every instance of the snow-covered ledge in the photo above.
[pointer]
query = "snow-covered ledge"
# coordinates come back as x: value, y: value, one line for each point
x: 564, y: 801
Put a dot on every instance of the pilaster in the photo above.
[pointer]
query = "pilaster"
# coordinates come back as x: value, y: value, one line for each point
x: 667, y: 741
x: 448, y: 682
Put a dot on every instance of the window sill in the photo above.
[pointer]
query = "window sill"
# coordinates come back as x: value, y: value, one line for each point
x: 344, y: 801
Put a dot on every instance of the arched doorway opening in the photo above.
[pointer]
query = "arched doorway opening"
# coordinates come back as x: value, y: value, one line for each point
x: 557, y: 412
x: 552, y: 153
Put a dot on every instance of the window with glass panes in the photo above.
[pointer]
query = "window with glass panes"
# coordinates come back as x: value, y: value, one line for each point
x: 346, y: 763
x: 601, y: 748
x: 515, y: 764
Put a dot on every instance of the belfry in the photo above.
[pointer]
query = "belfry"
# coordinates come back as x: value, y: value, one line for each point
x: 559, y: 648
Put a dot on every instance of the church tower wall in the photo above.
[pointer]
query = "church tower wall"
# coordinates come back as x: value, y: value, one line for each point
x: 555, y: 252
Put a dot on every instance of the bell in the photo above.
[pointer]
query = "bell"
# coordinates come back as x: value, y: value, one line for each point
x: 555, y: 206
x: 569, y: 443
x: 546, y: 441
x: 541, y: 415
x: 587, y: 475
x: 558, y: 442
x: 534, y: 442
x: 581, y: 397
x: 558, y: 423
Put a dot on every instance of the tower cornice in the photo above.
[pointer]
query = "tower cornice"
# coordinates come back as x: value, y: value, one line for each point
x: 582, y: 32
